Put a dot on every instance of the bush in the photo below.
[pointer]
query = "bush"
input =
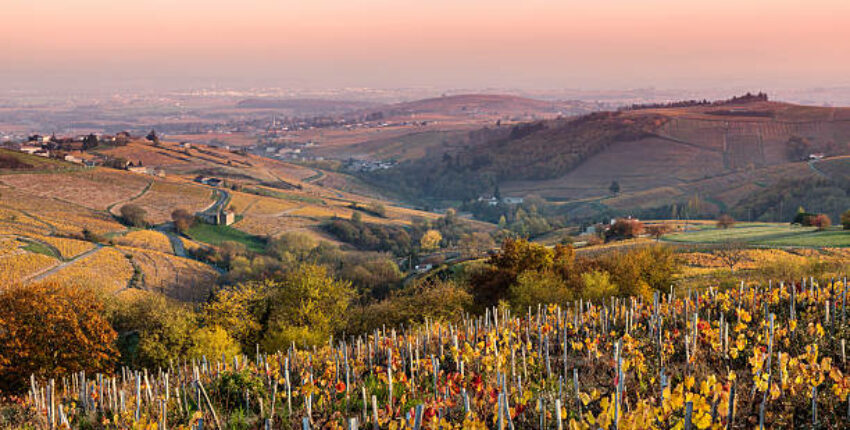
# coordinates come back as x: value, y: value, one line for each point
x: 134, y: 215
x: 183, y: 220
x: 725, y: 221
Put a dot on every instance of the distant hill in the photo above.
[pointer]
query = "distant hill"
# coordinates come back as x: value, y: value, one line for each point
x: 659, y: 155
x: 305, y: 107
x: 475, y: 103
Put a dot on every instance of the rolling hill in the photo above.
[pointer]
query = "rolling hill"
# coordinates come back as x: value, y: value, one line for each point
x: 723, y: 151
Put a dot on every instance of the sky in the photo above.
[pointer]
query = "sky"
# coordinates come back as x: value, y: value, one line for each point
x: 530, y: 44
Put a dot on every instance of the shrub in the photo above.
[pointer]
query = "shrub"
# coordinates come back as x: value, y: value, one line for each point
x: 134, y: 215
x: 183, y: 220
x: 725, y: 221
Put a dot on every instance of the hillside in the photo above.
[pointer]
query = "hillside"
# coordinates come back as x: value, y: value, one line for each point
x: 722, y: 151
x: 61, y: 221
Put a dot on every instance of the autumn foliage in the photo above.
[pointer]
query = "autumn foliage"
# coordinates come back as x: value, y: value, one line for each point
x: 50, y: 329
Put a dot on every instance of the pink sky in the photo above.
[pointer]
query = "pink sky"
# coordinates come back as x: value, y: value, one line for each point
x: 441, y: 43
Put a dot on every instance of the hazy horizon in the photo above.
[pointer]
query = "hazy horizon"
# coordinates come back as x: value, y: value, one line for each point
x: 442, y: 44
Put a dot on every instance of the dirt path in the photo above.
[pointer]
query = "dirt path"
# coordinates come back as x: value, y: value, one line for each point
x: 53, y: 269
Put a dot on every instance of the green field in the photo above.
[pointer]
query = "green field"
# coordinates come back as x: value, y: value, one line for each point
x: 217, y: 234
x: 764, y: 235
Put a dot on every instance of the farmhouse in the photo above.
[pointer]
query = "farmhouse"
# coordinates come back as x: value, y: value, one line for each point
x: 217, y: 218
x: 213, y: 182
x: 147, y: 170
x: 72, y: 159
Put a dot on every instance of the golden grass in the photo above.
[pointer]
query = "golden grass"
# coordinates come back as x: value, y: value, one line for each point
x: 106, y: 270
x: 146, y: 239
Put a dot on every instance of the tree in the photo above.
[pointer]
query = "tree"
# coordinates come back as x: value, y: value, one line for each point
x: 152, y: 136
x: 306, y: 307
x: 431, y: 240
x: 475, y: 243
x: 625, y: 228
x: 154, y: 330
x: 240, y: 309
x: 657, y: 230
x: 614, y: 188
x: 533, y: 288
x: 731, y: 254
x: 183, y: 220
x: 845, y: 220
x: 598, y: 285
x: 491, y: 284
x: 212, y: 342
x: 49, y: 330
x: 725, y: 221
x: 134, y: 215
x: 377, y: 209
x: 291, y: 247
x: 798, y: 148
x: 821, y: 221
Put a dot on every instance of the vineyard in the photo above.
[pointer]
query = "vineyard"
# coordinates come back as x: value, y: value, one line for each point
x: 176, y: 277
x: 107, y: 270
x: 753, y: 356
x: 163, y: 197
x: 146, y: 239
